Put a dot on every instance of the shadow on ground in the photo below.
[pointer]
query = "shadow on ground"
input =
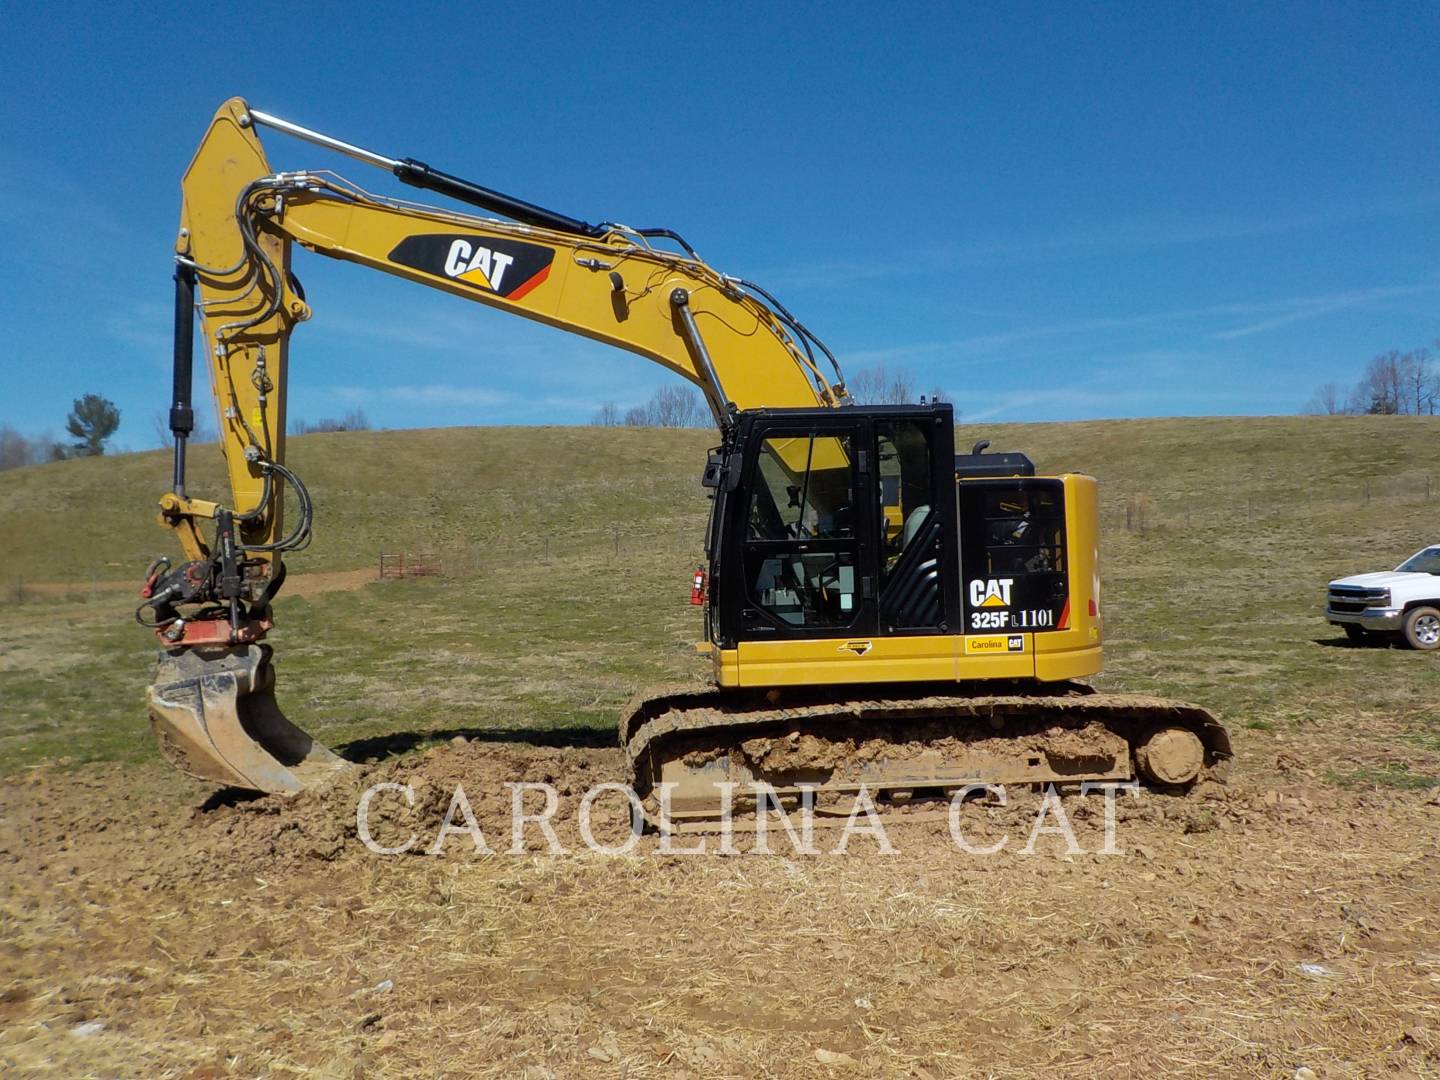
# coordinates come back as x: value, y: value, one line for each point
x: 378, y: 747
x: 1346, y: 643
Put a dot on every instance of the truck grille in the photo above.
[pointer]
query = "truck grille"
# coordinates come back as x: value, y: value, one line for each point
x: 1353, y: 599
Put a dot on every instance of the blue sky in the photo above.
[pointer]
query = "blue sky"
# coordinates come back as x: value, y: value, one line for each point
x: 1052, y: 211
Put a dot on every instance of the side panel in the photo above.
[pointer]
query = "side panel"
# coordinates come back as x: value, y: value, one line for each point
x: 920, y: 659
x: 1013, y: 554
x: 928, y: 658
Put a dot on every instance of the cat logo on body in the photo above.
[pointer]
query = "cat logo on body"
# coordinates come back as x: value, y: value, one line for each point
x: 466, y: 260
x: 996, y: 643
x: 990, y: 592
x: 508, y: 268
x: 859, y: 648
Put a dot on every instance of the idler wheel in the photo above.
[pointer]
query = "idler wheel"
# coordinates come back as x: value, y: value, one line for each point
x: 1172, y: 756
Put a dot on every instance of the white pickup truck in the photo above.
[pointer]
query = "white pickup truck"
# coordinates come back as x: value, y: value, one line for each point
x: 1404, y: 601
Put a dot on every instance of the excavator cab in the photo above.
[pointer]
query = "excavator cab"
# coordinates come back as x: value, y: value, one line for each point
x: 861, y: 528
x: 833, y: 523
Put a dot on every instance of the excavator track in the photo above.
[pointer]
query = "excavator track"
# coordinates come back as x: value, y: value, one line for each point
x: 903, y: 742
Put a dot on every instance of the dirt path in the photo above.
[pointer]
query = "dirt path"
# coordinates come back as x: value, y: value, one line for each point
x: 1257, y: 929
x: 295, y: 585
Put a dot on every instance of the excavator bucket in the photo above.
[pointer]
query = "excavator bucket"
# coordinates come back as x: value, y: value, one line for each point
x: 214, y: 715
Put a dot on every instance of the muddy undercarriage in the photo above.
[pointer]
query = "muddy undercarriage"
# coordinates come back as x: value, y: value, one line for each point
x: 695, y: 755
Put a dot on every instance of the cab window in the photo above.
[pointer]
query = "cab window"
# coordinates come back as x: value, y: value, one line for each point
x: 801, y: 545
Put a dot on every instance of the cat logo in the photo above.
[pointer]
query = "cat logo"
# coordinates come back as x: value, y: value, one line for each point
x: 859, y: 648
x: 995, y: 643
x: 990, y: 592
x: 476, y: 264
x: 508, y: 268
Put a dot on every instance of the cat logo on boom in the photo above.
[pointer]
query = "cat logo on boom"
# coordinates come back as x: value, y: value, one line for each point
x: 990, y: 592
x: 466, y: 261
x: 508, y: 268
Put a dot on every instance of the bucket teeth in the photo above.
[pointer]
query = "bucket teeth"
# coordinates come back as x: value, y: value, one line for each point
x: 214, y: 716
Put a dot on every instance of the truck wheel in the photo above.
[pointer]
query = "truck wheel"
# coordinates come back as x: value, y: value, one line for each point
x: 1421, y: 628
x: 1358, y: 634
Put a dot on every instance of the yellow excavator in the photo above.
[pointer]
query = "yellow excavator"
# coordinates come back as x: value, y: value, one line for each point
x: 880, y: 611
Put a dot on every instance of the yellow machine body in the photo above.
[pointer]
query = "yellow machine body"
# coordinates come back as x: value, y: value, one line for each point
x: 643, y: 291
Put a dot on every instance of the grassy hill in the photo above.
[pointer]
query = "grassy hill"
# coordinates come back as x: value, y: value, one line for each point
x: 471, y: 490
x: 450, y: 490
x: 568, y: 553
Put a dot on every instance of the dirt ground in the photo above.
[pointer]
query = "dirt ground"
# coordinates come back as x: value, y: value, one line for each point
x: 312, y: 584
x: 1259, y: 928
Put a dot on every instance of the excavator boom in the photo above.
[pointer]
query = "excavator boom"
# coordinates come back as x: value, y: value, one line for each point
x: 642, y: 290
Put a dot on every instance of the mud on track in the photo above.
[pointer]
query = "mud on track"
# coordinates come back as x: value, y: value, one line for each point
x: 214, y: 938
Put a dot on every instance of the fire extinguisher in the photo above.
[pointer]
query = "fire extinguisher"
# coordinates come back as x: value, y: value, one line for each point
x: 697, y: 587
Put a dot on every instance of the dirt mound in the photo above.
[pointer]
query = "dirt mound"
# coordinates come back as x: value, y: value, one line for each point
x: 275, y: 832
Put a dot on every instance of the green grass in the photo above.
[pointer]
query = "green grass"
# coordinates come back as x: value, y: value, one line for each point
x: 569, y: 552
x: 1396, y: 776
x: 467, y: 492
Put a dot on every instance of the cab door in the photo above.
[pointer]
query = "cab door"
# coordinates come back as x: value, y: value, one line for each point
x: 804, y: 588
x: 914, y: 487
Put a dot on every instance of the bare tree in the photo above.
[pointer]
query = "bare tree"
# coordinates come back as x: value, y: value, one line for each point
x: 606, y: 416
x: 1397, y: 383
x: 1329, y: 400
x: 677, y: 406
x: 669, y: 406
x: 354, y: 420
x: 879, y: 385
x: 1394, y: 383
x: 17, y: 451
x: 164, y: 438
x: 1421, y: 384
x: 14, y: 448
x: 1382, y: 387
x: 160, y: 428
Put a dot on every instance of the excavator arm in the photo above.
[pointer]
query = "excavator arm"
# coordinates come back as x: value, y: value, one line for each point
x: 211, y: 704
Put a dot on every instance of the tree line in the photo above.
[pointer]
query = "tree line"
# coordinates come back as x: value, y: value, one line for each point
x: 1394, y: 383
x: 680, y: 406
x: 92, y: 420
x: 354, y: 420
